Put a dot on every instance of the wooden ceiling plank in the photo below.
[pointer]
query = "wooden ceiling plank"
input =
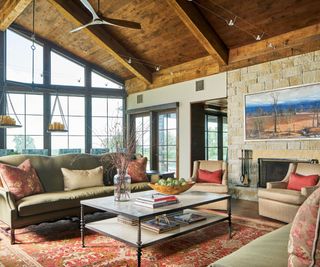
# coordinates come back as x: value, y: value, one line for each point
x: 10, y: 10
x: 73, y: 12
x: 201, y: 29
x: 280, y: 42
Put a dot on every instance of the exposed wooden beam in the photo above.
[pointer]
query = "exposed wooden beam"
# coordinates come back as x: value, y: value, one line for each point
x: 10, y: 10
x: 75, y: 13
x: 200, y: 28
x: 287, y: 44
x: 184, y: 72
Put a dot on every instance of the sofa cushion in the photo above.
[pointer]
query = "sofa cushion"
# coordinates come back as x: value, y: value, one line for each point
x: 297, y: 181
x: 21, y: 181
x: 304, y: 233
x: 76, y: 179
x: 137, y: 170
x: 268, y: 250
x: 54, y: 201
x: 282, y: 195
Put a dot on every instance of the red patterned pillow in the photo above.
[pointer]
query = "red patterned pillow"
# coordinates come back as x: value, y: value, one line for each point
x: 21, y: 181
x: 205, y: 176
x: 304, y: 235
x: 137, y: 170
x: 298, y: 181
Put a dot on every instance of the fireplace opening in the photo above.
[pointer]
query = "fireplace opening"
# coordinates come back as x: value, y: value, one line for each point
x: 273, y: 170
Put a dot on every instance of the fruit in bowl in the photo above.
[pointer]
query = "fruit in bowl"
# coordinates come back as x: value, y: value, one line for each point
x: 7, y: 120
x: 171, y: 186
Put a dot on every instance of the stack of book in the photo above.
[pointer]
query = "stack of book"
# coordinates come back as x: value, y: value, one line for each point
x: 159, y: 226
x: 156, y: 200
x: 127, y: 220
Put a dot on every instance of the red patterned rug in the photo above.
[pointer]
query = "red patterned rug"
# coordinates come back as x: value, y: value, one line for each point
x: 58, y: 244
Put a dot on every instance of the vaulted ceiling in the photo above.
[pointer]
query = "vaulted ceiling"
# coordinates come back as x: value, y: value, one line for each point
x: 180, y: 35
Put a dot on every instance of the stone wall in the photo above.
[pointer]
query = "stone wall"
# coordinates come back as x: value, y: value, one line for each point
x: 296, y: 70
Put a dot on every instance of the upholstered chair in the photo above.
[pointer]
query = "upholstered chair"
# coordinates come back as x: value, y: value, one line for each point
x: 280, y: 203
x: 211, y: 165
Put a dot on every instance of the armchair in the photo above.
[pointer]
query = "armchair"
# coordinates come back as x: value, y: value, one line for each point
x: 278, y: 202
x: 211, y: 165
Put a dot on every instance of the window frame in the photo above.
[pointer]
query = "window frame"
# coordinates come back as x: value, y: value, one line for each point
x: 154, y: 111
x: 220, y: 132
x: 87, y: 91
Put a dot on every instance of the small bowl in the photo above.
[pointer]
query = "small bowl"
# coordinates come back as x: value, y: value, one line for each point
x: 171, y: 190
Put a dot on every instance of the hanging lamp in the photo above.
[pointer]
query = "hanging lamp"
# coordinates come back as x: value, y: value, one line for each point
x: 6, y: 120
x: 57, y: 126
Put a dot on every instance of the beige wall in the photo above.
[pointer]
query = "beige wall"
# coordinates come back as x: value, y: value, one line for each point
x: 184, y: 93
x: 297, y: 70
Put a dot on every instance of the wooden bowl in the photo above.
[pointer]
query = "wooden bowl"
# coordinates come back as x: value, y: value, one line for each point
x: 171, y: 190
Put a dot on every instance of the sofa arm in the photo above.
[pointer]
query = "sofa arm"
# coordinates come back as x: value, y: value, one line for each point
x: 307, y: 191
x: 8, y: 199
x: 280, y: 185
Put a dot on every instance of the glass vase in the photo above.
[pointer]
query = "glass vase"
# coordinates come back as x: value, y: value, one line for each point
x: 122, y: 186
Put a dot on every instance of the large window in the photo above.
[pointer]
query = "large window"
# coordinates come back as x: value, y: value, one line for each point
x: 101, y: 81
x: 107, y: 123
x: 19, y: 59
x: 30, y: 135
x: 73, y: 109
x: 142, y: 136
x: 167, y: 137
x: 216, y: 137
x: 65, y: 71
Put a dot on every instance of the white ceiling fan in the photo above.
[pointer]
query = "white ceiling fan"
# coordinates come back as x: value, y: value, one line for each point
x: 98, y: 20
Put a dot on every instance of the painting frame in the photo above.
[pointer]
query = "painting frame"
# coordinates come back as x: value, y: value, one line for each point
x: 296, y: 105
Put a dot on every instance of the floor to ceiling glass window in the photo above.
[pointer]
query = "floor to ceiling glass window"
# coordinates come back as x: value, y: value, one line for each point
x: 74, y: 140
x: 65, y: 71
x: 142, y: 136
x: 216, y: 137
x: 29, y: 109
x: 167, y: 138
x: 100, y: 81
x: 19, y: 59
x: 107, y: 123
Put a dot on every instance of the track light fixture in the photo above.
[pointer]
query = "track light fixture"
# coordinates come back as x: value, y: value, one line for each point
x: 231, y: 22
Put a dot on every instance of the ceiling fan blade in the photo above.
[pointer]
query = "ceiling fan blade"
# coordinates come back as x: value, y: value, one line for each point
x: 83, y: 26
x: 90, y: 8
x: 121, y: 23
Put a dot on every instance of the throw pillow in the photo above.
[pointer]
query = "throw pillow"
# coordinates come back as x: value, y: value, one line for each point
x: 298, y: 181
x: 205, y: 176
x: 21, y: 181
x: 137, y: 170
x: 304, y: 234
x: 76, y: 179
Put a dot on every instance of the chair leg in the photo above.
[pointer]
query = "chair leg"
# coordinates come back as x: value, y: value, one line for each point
x: 12, y: 236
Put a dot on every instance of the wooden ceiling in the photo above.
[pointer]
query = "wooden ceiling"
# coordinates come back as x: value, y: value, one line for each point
x: 179, y: 35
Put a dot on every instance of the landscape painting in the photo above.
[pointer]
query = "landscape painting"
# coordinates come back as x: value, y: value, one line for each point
x: 291, y: 113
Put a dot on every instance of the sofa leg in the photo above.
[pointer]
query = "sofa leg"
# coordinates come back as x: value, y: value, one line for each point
x: 12, y: 236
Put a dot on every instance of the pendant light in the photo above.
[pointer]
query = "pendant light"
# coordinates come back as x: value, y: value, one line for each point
x: 57, y: 126
x: 7, y: 121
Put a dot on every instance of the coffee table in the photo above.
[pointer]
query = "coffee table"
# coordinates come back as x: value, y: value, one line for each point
x: 140, y: 238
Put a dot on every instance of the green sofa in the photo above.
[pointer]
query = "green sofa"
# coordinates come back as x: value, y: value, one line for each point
x: 54, y: 203
x: 268, y: 250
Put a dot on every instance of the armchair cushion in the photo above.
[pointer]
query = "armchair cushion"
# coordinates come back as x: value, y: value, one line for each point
x: 205, y: 176
x: 210, y: 188
x: 297, y: 181
x: 282, y: 195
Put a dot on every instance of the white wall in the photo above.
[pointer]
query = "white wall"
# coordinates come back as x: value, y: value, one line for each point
x: 215, y: 86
